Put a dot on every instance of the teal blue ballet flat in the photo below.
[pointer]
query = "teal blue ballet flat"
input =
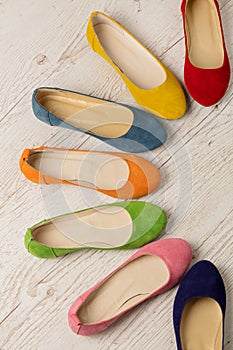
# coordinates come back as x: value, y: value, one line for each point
x: 121, y: 126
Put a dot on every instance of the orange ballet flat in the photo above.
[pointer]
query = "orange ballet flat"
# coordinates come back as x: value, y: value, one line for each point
x: 119, y: 175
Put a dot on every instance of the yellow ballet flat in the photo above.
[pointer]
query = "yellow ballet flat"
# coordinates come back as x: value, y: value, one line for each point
x: 150, y: 82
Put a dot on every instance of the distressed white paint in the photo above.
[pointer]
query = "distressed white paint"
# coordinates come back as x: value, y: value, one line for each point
x: 43, y: 43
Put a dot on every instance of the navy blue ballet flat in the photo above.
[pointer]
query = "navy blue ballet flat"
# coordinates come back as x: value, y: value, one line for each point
x: 124, y: 127
x: 199, y: 309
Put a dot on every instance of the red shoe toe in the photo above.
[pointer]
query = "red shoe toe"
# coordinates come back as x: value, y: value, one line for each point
x: 207, y: 86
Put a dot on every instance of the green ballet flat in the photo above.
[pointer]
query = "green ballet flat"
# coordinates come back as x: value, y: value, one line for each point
x: 121, y: 225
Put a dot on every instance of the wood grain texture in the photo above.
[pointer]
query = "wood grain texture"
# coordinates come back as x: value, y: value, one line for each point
x: 43, y: 43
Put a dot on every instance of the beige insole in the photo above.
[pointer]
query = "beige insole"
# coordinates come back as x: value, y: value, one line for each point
x: 126, y: 287
x: 90, y: 169
x: 204, y: 34
x: 98, y: 117
x: 105, y: 227
x: 201, y: 325
x: 128, y: 54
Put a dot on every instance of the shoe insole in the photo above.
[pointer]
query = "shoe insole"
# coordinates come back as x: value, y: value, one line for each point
x: 104, y: 227
x: 90, y: 114
x: 201, y: 325
x: 90, y: 169
x: 204, y: 34
x: 128, y: 54
x: 125, y: 288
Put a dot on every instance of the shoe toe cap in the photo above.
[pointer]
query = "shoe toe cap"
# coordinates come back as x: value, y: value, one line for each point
x: 176, y: 253
x: 169, y: 100
x: 207, y: 86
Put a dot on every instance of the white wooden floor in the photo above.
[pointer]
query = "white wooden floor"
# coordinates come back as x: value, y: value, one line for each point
x: 43, y: 43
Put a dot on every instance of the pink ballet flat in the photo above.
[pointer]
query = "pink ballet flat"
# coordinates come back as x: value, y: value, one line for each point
x: 153, y: 270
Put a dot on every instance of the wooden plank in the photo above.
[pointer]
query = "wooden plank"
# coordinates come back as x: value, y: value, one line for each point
x: 43, y: 43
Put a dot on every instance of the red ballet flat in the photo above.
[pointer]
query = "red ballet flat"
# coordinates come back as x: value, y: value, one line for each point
x: 206, y: 68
